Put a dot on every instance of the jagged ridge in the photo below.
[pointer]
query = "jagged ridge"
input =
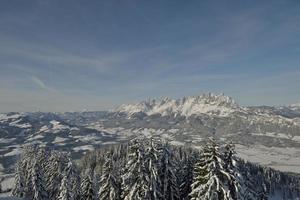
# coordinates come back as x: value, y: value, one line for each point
x: 204, y: 104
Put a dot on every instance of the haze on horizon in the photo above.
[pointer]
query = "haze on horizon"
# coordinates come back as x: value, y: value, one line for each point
x: 74, y: 55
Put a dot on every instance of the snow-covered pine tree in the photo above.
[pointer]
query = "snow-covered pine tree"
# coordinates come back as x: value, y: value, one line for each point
x: 54, y: 175
x: 135, y: 177
x: 87, y: 188
x: 28, y: 158
x: 210, y: 178
x: 65, y: 192
x: 38, y: 182
x: 229, y: 152
x: 235, y: 183
x: 72, y: 175
x: 110, y: 186
x: 169, y: 184
x: 42, y: 155
x: 18, y: 189
x: 151, y: 164
x: 23, y: 174
x: 201, y: 177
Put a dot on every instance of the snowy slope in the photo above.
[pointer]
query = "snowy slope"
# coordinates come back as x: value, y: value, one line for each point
x: 43, y: 129
x: 295, y: 107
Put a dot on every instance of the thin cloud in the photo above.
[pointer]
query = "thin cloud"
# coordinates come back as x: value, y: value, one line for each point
x: 42, y: 84
x: 104, y: 63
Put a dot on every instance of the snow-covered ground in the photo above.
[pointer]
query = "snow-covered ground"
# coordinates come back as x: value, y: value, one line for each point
x: 283, y: 159
x: 84, y: 148
x: 5, y: 117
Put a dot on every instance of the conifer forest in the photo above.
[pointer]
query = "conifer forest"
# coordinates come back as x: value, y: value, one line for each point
x: 148, y: 169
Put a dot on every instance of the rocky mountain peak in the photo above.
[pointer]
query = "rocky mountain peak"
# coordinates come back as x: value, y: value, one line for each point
x: 216, y: 104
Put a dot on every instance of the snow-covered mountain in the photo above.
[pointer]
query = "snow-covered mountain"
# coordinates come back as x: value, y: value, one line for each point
x: 47, y: 130
x: 265, y: 134
x: 213, y: 106
x: 295, y: 107
x: 220, y: 105
x: 208, y: 104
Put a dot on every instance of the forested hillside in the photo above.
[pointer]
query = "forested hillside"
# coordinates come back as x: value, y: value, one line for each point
x: 149, y: 169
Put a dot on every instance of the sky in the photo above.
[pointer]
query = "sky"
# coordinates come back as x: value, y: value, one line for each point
x: 94, y: 55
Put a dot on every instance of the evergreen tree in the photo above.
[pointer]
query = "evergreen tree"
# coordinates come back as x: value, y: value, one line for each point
x: 150, y: 174
x: 54, y: 174
x: 250, y: 186
x: 235, y: 181
x: 135, y: 177
x: 72, y: 175
x: 23, y: 174
x: 28, y: 161
x: 109, y: 184
x: 170, y: 188
x: 151, y: 162
x: 87, y: 188
x: 209, y: 177
x: 38, y: 183
x: 65, y: 192
x: 18, y: 189
x: 229, y: 153
x: 185, y: 170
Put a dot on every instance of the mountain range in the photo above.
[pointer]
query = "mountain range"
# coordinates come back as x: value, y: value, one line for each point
x: 269, y: 135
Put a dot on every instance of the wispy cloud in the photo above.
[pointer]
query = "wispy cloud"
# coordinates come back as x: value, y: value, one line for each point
x: 108, y: 64
x: 41, y: 84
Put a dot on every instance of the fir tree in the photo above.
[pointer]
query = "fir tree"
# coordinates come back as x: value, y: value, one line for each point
x: 151, y: 163
x: 234, y: 180
x: 148, y: 173
x: 185, y: 173
x: 38, y: 183
x: 249, y: 185
x: 54, y: 174
x: 65, y: 192
x: 109, y: 184
x: 209, y: 178
x: 28, y: 161
x: 18, y: 189
x: 249, y: 192
x: 87, y: 188
x: 72, y: 175
x: 135, y: 177
x: 170, y: 187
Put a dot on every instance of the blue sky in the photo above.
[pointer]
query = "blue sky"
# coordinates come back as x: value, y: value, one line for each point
x: 74, y: 55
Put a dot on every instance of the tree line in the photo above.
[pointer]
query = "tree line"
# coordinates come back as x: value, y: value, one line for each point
x: 148, y: 169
